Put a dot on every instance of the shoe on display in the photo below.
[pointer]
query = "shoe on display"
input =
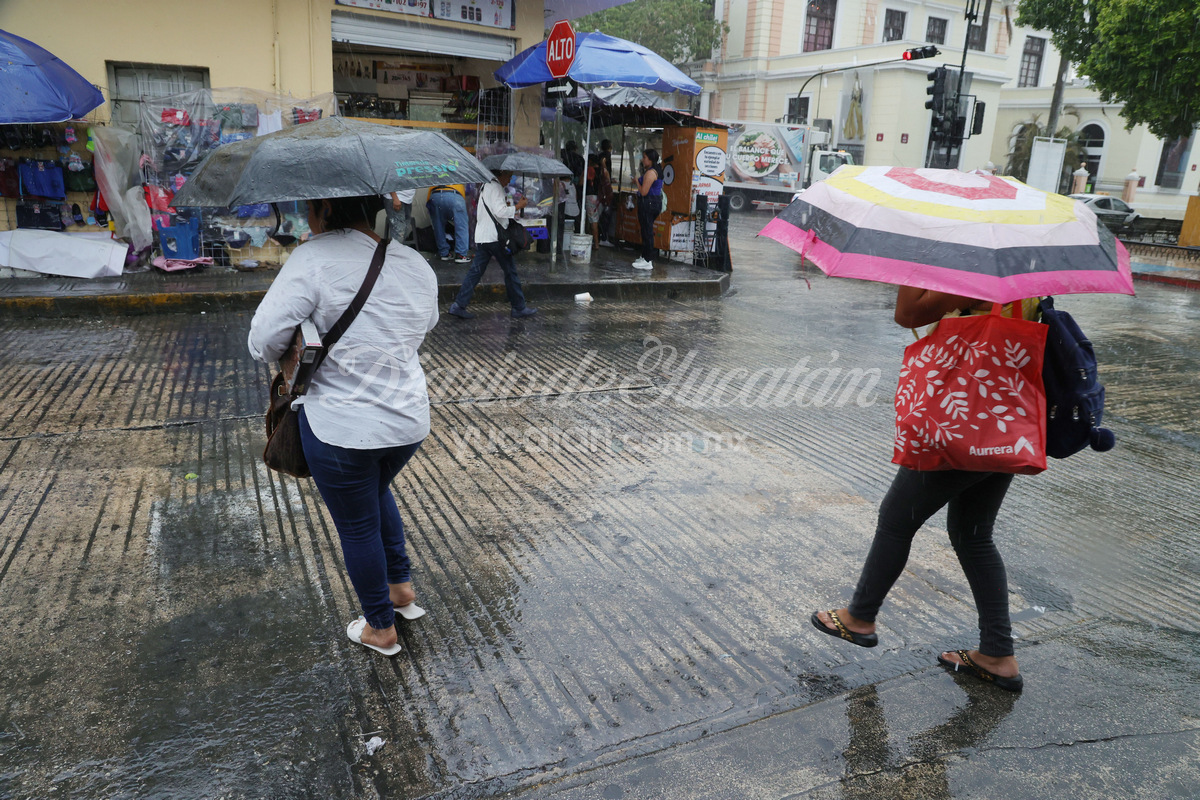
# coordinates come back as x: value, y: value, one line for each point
x: 527, y: 311
x: 462, y: 260
x: 460, y: 312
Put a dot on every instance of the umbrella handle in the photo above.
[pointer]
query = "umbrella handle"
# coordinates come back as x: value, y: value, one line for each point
x: 278, y: 221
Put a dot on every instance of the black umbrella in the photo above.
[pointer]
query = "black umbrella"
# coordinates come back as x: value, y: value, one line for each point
x: 332, y: 157
x: 526, y: 164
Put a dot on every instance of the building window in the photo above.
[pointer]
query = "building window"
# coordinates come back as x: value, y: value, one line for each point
x: 893, y: 25
x: 935, y: 30
x: 818, y: 25
x: 129, y: 83
x: 797, y: 113
x: 975, y: 40
x: 1173, y: 162
x: 1031, y: 61
x: 1091, y: 136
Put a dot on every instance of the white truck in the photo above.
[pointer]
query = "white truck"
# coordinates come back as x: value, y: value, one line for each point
x: 769, y: 162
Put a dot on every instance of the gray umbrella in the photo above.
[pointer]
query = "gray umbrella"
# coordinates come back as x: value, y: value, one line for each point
x: 332, y: 157
x: 526, y: 164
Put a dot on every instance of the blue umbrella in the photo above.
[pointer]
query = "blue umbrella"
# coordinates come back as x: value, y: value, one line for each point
x: 600, y: 59
x: 36, y: 86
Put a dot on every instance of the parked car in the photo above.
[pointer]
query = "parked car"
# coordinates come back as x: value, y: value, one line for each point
x: 1114, y: 212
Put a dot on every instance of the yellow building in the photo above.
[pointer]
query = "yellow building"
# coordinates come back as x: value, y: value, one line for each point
x: 301, y: 48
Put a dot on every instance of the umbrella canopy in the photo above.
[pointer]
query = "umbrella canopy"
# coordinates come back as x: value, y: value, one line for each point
x: 332, y: 157
x: 36, y: 86
x: 527, y: 164
x: 600, y: 59
x: 981, y: 236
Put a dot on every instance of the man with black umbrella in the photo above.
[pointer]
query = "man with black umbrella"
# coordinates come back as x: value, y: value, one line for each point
x: 493, y: 212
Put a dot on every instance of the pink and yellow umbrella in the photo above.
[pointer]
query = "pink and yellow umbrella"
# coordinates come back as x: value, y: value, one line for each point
x: 969, y: 234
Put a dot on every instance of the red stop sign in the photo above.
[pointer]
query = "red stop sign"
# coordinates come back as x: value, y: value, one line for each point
x: 560, y: 49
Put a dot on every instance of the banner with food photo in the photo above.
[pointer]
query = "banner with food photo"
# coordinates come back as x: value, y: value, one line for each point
x: 767, y: 155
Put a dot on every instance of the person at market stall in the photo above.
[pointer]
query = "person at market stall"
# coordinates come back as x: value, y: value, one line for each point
x: 608, y: 210
x: 367, y: 408
x: 568, y: 208
x: 450, y: 202
x: 973, y: 500
x: 398, y: 206
x: 574, y: 162
x: 649, y: 206
x: 493, y: 209
x: 599, y: 188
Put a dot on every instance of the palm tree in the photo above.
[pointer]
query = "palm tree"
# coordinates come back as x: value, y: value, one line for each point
x: 1021, y: 148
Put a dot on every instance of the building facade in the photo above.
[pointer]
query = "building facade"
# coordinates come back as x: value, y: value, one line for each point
x: 874, y: 104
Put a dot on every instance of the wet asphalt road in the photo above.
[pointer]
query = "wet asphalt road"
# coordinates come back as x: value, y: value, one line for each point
x: 620, y: 524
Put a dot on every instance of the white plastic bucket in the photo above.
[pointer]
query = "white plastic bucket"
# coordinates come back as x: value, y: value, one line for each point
x: 581, y: 246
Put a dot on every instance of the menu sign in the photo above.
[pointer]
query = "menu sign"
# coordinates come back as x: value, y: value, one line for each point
x: 419, y: 8
x: 489, y: 13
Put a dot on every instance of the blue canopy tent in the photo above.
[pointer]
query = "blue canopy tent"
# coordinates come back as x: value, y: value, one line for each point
x: 599, y: 59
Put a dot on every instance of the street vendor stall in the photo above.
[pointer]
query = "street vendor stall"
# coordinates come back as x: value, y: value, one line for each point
x: 590, y: 59
x: 693, y: 155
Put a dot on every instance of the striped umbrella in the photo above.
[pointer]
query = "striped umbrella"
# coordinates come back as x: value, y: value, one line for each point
x: 969, y: 234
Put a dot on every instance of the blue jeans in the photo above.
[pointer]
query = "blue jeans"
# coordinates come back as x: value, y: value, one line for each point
x: 355, y: 487
x: 484, y: 253
x: 974, y: 500
x: 443, y: 205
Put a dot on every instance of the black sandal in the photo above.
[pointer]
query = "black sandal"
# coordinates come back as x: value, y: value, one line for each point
x: 842, y: 632
x: 1013, y: 684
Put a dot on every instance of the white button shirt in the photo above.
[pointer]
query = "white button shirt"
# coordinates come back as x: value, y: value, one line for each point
x: 493, y: 196
x: 370, y: 391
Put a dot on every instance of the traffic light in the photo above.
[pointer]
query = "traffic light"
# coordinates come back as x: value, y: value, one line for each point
x: 937, y: 91
x: 914, y: 53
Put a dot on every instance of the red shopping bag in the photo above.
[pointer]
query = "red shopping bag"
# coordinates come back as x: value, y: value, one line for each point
x: 971, y: 397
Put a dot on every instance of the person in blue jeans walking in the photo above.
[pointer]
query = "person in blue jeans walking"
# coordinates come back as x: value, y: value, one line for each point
x: 367, y: 407
x: 450, y: 202
x: 493, y: 199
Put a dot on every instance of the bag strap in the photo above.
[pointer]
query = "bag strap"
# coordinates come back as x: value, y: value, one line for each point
x: 500, y: 229
x: 360, y: 299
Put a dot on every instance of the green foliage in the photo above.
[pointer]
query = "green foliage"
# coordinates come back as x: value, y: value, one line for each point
x: 1142, y: 53
x: 1147, y: 55
x: 1072, y: 23
x: 678, y: 30
x: 1021, y: 149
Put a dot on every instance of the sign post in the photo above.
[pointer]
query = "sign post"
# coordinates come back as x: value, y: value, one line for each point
x: 560, y: 55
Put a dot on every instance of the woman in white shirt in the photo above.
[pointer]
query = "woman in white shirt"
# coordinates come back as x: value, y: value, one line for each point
x: 367, y: 407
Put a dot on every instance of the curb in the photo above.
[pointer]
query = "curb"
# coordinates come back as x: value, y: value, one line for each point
x: 1192, y: 284
x: 133, y: 304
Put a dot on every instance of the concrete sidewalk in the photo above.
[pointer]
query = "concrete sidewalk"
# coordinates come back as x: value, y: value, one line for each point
x: 607, y: 274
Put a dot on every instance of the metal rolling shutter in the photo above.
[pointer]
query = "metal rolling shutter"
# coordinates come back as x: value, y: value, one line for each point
x: 401, y: 34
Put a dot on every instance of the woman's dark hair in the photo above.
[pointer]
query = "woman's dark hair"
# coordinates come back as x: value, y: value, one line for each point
x: 346, y: 212
x: 651, y: 154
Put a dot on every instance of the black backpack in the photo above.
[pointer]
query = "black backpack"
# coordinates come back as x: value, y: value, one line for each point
x: 1074, y: 394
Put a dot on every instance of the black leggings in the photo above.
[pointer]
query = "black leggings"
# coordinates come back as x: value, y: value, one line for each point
x: 648, y: 208
x: 974, y: 499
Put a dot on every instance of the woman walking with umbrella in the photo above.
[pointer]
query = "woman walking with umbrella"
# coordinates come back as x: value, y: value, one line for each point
x: 372, y: 302
x: 950, y: 239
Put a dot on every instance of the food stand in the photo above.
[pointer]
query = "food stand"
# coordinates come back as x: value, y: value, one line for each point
x: 693, y: 162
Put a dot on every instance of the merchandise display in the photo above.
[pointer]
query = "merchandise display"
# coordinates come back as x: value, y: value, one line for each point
x: 177, y: 132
